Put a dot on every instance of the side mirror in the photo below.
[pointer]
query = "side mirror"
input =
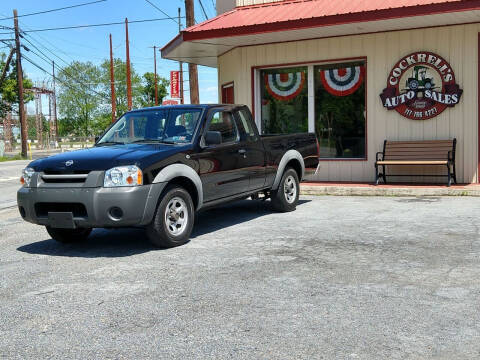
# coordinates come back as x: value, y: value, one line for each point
x: 97, y: 138
x: 213, y: 138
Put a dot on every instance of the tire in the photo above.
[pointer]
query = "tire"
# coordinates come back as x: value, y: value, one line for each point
x: 68, y: 235
x: 285, y: 198
x: 166, y: 230
x: 413, y: 85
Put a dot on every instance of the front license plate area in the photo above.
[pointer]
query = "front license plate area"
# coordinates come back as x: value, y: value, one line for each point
x: 61, y: 220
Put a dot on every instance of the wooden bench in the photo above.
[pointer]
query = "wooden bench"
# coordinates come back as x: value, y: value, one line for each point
x: 417, y: 153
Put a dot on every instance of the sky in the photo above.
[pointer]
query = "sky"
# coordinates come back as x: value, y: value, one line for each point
x: 92, y: 44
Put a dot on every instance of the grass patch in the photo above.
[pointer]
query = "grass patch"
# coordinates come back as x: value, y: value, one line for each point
x: 11, y: 158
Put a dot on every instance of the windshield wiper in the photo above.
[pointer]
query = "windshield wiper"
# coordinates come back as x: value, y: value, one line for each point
x: 110, y: 143
x: 153, y: 141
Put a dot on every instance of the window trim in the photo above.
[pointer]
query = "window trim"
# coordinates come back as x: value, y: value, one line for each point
x: 238, y: 118
x: 224, y: 87
x: 256, y: 95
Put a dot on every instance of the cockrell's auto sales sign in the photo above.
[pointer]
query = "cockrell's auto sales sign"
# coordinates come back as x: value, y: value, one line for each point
x: 421, y: 86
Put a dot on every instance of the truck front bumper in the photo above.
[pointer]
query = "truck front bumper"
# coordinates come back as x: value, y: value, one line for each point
x: 90, y: 207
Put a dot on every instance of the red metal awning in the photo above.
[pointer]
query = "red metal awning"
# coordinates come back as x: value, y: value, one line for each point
x: 305, y: 19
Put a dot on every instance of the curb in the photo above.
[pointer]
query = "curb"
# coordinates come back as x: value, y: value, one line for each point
x: 382, y: 191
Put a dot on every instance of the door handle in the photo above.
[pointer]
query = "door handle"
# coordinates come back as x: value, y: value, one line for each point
x: 243, y: 152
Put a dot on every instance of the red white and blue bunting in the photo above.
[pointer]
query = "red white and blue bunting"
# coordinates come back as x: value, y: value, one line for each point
x: 343, y: 81
x: 285, y: 86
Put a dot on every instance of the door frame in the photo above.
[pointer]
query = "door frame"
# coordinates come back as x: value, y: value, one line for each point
x: 226, y: 86
x: 478, y: 111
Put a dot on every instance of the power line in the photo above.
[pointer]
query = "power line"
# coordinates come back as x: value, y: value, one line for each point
x: 48, y: 59
x: 52, y: 10
x: 163, y: 12
x: 91, y: 25
x: 46, y: 72
x: 65, y: 71
x: 203, y: 9
x: 67, y: 74
x: 42, y: 39
x: 50, y: 51
x: 53, y: 53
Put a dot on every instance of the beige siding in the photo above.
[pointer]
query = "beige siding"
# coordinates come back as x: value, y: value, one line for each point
x: 254, y: 2
x: 456, y: 44
x: 223, y: 6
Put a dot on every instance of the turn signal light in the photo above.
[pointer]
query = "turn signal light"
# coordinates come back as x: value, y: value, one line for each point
x: 22, y: 180
x: 130, y: 179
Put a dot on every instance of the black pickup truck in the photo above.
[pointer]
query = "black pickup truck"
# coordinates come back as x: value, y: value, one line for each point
x: 156, y: 167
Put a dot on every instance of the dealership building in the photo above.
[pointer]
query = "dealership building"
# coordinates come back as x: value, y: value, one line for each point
x: 356, y: 73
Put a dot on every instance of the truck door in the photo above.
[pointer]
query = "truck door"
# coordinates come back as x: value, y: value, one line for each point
x: 223, y: 170
x: 254, y: 152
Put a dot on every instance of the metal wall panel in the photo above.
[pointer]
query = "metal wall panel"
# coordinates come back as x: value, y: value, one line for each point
x: 456, y: 44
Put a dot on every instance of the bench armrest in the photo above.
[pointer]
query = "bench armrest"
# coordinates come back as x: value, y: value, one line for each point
x: 450, y: 156
x: 379, y: 156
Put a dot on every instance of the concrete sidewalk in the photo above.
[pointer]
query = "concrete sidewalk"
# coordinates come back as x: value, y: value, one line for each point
x: 395, y: 189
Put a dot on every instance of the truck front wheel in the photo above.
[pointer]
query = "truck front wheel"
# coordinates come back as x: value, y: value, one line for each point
x: 173, y: 220
x: 68, y: 235
x: 285, y: 198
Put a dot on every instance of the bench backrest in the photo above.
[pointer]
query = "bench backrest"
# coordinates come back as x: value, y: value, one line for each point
x: 419, y: 150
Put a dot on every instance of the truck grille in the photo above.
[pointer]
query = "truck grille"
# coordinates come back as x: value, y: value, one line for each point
x: 77, y: 209
x: 64, y: 178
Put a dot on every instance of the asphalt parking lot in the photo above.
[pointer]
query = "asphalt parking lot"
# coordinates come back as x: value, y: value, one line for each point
x: 340, y: 278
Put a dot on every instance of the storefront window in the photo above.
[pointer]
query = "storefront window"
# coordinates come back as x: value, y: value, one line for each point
x: 340, y: 110
x: 284, y: 100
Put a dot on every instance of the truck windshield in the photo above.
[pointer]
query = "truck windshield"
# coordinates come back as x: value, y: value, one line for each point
x: 156, y: 125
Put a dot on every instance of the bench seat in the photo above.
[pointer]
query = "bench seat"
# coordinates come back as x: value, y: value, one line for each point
x: 413, y: 162
x: 422, y: 152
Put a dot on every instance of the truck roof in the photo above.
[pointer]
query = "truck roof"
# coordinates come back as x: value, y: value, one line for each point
x: 186, y: 106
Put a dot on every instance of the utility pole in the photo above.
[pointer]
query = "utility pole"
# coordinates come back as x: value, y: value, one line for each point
x: 180, y: 63
x: 54, y: 103
x: 155, y: 73
x: 192, y: 68
x: 112, y: 83
x: 21, y: 108
x: 129, y: 80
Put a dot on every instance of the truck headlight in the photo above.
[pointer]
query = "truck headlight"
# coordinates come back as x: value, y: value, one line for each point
x: 26, y: 177
x: 123, y: 176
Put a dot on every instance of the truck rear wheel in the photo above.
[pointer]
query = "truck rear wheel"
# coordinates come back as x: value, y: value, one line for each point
x: 285, y: 198
x: 68, y: 235
x: 173, y: 221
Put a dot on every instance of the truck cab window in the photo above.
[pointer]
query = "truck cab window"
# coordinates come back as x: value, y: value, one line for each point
x: 222, y: 121
x: 245, y: 126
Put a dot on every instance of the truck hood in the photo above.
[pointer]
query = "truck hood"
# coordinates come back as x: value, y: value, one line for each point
x: 106, y: 157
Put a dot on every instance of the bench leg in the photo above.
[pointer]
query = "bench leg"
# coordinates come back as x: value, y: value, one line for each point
x: 454, y: 174
x: 377, y: 179
x: 449, y: 181
x: 384, y: 174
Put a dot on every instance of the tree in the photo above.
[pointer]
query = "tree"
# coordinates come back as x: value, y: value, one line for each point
x: 9, y: 88
x: 32, y: 126
x: 79, y: 98
x: 121, y: 85
x: 66, y: 126
x: 149, y: 89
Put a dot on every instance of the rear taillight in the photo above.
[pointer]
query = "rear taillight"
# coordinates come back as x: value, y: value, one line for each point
x: 318, y: 147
